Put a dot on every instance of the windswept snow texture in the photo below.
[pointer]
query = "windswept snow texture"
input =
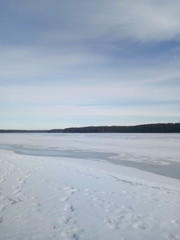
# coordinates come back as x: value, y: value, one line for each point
x: 78, y: 187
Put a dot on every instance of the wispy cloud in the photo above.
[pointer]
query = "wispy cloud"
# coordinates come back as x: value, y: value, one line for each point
x: 151, y: 20
x: 83, y: 62
x: 39, y: 62
x: 137, y: 20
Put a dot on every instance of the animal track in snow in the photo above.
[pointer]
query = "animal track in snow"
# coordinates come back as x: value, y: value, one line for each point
x: 70, y: 190
x: 173, y: 237
x: 125, y: 216
x: 64, y: 219
x: 71, y: 233
x: 14, y: 201
x: 2, y: 207
x: 64, y: 199
x: 66, y: 235
x: 69, y: 208
x: 37, y: 207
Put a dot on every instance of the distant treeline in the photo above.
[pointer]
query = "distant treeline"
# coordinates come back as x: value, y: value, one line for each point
x: 145, y: 128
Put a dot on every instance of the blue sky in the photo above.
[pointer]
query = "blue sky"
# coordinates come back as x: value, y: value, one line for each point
x: 99, y: 62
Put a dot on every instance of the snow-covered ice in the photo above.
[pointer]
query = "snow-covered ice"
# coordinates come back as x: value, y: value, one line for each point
x: 89, y: 186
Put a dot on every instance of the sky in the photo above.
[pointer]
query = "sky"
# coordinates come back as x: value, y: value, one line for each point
x: 67, y: 63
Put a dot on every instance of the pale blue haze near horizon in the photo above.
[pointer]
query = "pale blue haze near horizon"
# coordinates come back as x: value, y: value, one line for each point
x: 98, y: 62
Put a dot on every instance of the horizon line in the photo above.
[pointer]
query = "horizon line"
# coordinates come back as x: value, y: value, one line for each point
x: 49, y: 129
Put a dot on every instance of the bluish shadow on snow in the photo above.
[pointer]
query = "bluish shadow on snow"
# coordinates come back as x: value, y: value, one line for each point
x: 60, y: 153
x: 171, y: 169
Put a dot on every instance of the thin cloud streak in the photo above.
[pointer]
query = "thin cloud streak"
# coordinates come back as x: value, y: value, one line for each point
x: 66, y: 114
x: 84, y: 62
x: 151, y: 20
x: 89, y: 93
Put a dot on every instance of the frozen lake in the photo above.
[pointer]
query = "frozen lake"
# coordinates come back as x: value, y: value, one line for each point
x: 89, y: 186
x: 156, y: 153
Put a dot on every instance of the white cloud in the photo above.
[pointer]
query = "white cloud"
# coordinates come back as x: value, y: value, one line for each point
x: 35, y: 62
x: 150, y: 20
x: 90, y: 93
x: 58, y: 70
x: 81, y: 113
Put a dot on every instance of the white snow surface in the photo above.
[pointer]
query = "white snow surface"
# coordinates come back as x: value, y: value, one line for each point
x: 78, y: 193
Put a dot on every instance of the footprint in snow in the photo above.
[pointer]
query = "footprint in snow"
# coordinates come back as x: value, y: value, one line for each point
x: 173, y: 237
x: 175, y: 222
x: 140, y: 225
x: 37, y: 207
x: 72, y: 233
x: 2, y: 197
x: 70, y: 190
x: 64, y: 219
x: 64, y: 199
x: 69, y: 208
x: 2, y: 208
x: 69, y: 236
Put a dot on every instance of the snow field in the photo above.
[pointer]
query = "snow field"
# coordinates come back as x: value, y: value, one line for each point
x: 48, y: 198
